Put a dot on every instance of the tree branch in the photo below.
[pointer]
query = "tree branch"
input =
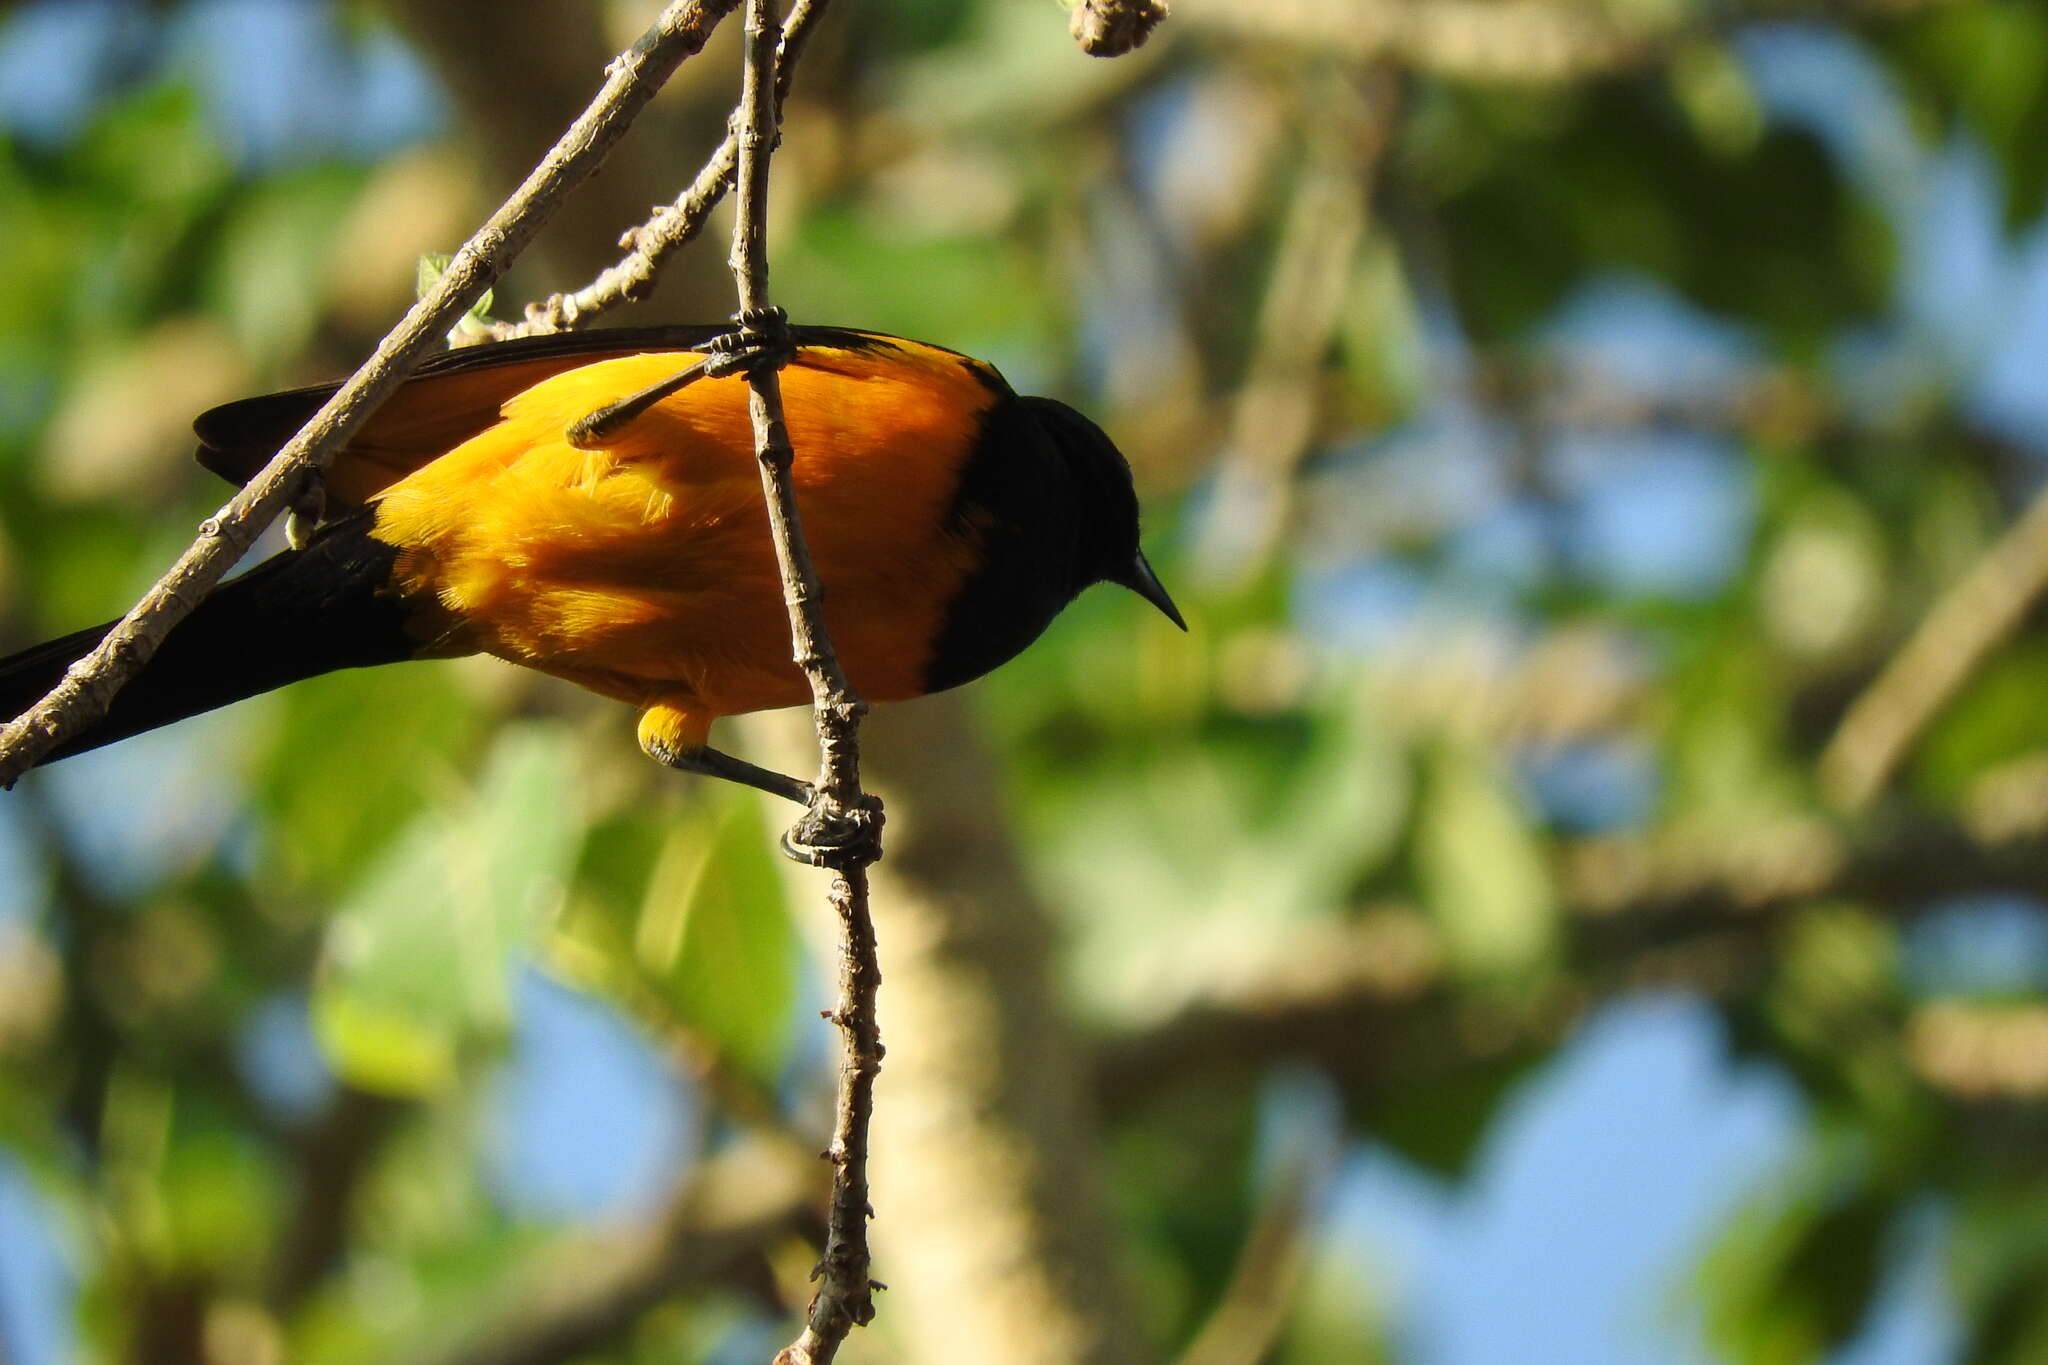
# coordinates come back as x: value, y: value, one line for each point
x: 89, y: 687
x: 649, y: 245
x: 1253, y: 1312
x: 730, y: 1210
x: 1951, y: 643
x: 842, y: 829
x: 1500, y: 40
x: 331, y: 1157
x: 1534, y: 41
x: 1000, y: 1227
x: 1348, y: 123
x: 1367, y: 1001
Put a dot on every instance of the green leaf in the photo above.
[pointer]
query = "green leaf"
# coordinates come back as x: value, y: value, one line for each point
x: 1482, y: 869
x: 715, y: 939
x: 417, y: 960
x: 220, y: 1199
x: 477, y: 321
x: 529, y: 829
x: 1997, y: 1259
x: 1796, y: 1274
x: 380, y: 1045
x: 355, y: 758
x: 1979, y: 66
x: 274, y: 245
x: 975, y: 292
x: 1998, y: 716
x: 2011, y: 1327
x: 1438, y: 1125
x: 1543, y: 187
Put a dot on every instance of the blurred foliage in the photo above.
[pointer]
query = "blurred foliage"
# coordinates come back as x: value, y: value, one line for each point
x: 1661, y: 397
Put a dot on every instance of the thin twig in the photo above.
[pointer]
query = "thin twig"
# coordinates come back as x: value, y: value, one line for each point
x: 1369, y: 1004
x: 1349, y: 120
x: 1513, y: 40
x: 1255, y: 1305
x: 649, y: 245
x: 721, y: 1223
x: 89, y: 687
x: 1506, y: 41
x: 332, y: 1156
x: 1971, y: 620
x: 843, y: 827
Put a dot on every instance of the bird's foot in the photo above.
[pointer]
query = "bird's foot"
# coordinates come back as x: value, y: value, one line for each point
x: 760, y: 337
x: 829, y: 834
x: 302, y: 515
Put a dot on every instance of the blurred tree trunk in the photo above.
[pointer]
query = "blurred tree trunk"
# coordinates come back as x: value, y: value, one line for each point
x: 992, y: 1225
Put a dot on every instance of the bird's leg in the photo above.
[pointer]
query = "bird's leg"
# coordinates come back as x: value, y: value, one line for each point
x: 759, y: 337
x: 823, y: 836
x: 673, y: 733
x: 716, y: 763
x: 592, y: 428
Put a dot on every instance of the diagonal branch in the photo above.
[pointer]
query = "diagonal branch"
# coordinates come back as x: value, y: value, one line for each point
x: 1952, y: 642
x: 725, y: 1216
x: 649, y: 245
x: 1369, y: 1002
x: 1275, y: 413
x: 1505, y: 41
x: 630, y: 82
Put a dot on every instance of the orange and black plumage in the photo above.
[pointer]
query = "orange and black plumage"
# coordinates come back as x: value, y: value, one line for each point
x: 949, y: 518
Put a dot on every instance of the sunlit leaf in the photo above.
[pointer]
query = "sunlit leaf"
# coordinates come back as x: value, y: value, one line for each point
x: 715, y: 937
x: 1439, y: 1126
x: 1996, y: 716
x: 1482, y: 869
x: 276, y: 242
x: 355, y: 757
x: 1795, y: 1275
x: 418, y: 957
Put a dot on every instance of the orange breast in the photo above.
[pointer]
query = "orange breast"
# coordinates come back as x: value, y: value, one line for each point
x: 645, y: 570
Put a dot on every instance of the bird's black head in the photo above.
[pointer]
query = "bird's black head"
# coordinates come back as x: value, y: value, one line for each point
x: 1048, y: 499
x: 1107, y: 547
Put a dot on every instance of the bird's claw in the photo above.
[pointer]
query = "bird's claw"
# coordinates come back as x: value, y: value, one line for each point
x: 760, y: 336
x: 308, y: 505
x: 829, y: 834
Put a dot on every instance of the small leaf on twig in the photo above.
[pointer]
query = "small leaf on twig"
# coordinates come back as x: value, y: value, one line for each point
x: 475, y: 325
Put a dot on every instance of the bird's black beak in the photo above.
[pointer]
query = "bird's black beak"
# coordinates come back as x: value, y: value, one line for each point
x: 1140, y: 579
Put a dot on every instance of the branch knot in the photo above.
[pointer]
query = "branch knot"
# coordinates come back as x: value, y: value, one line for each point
x: 1110, y: 28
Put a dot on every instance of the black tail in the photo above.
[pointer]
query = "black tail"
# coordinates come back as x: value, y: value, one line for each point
x: 298, y: 614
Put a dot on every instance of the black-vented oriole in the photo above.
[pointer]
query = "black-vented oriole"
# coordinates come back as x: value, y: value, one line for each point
x: 950, y: 519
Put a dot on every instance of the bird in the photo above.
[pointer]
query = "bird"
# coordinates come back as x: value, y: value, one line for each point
x: 949, y: 518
